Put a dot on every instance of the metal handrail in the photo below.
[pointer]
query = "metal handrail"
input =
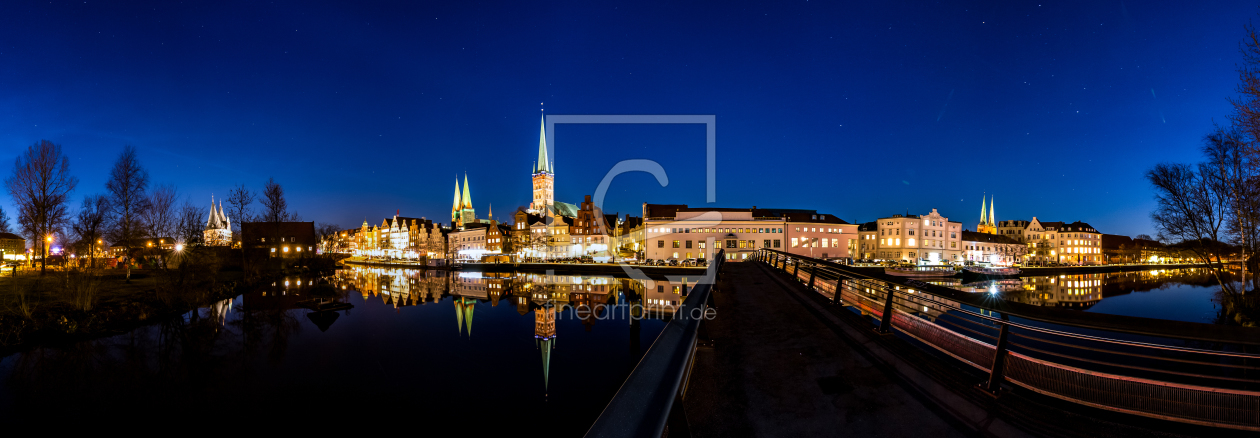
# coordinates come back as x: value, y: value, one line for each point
x: 1117, y: 323
x: 1186, y: 402
x: 643, y: 404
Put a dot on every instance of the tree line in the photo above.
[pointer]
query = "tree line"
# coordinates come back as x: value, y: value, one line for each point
x: 1212, y: 208
x: 130, y: 208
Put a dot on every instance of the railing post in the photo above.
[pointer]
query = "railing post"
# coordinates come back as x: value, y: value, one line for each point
x: 885, y: 320
x: 813, y: 268
x: 997, y: 371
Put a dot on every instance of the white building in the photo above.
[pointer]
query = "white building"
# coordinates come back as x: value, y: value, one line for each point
x: 680, y: 232
x: 218, y: 227
x: 927, y: 239
x: 469, y: 243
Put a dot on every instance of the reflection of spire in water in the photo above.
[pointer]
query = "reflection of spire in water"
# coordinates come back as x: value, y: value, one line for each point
x: 468, y: 315
x: 546, y: 360
x: 459, y: 315
x: 464, y: 314
x: 545, y: 329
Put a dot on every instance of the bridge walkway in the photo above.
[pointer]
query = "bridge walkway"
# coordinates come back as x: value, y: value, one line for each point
x: 779, y: 361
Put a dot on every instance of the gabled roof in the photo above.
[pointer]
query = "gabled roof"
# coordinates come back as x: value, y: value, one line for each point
x: 564, y: 209
x: 972, y: 236
x: 8, y: 236
x: 869, y: 226
x: 1079, y: 227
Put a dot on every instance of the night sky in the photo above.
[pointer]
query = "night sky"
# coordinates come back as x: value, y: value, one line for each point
x: 859, y: 109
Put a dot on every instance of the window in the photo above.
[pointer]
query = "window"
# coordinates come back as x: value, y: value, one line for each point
x: 743, y: 244
x: 688, y: 244
x: 730, y: 244
x: 794, y: 242
x: 675, y: 244
x: 660, y: 243
x: 776, y: 243
x: 765, y: 243
x: 701, y: 245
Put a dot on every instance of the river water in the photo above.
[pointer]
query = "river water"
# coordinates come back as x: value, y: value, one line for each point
x: 1187, y: 294
x: 488, y: 353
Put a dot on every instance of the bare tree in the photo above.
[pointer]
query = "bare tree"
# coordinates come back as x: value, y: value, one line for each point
x: 160, y: 218
x: 240, y: 200
x: 40, y: 185
x: 325, y: 230
x: 1143, y: 237
x: 275, y: 207
x: 1192, y: 208
x: 127, y: 184
x: 90, y: 223
x: 5, y: 227
x: 189, y: 229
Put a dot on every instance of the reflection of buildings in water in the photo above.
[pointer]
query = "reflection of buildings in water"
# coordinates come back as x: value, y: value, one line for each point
x: 545, y: 337
x: 1079, y: 291
x: 218, y: 311
x: 396, y: 287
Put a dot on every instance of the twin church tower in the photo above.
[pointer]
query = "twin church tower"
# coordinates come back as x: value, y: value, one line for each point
x: 544, y: 177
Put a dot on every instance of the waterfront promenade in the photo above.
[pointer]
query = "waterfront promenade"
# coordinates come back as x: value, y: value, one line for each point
x: 781, y: 361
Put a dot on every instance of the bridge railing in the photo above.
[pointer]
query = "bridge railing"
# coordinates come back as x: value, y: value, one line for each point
x: 651, y: 396
x: 1194, y: 373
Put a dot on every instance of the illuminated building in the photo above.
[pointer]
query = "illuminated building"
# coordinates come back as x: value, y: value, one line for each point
x: 987, y: 224
x: 991, y: 248
x: 811, y: 234
x: 867, y: 234
x: 462, y: 211
x: 280, y: 239
x: 680, y: 232
x: 218, y: 227
x: 13, y: 246
x: 469, y: 242
x: 926, y: 239
x: 544, y: 177
x: 1076, y: 243
x: 590, y: 230
x: 1013, y: 229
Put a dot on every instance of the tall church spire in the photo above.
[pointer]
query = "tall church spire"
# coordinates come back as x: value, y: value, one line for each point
x: 983, y: 210
x: 991, y: 215
x: 459, y: 202
x: 466, y: 198
x: 543, y: 164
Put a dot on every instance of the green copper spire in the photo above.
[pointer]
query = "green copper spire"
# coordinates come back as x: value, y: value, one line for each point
x: 467, y: 198
x: 543, y: 164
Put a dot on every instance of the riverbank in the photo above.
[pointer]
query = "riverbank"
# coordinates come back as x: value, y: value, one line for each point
x: 62, y: 307
x: 554, y: 268
x: 1034, y: 271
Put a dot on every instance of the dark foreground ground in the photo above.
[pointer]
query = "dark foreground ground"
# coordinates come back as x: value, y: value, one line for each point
x: 781, y: 361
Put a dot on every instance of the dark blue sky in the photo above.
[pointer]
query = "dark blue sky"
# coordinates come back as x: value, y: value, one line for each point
x: 858, y: 109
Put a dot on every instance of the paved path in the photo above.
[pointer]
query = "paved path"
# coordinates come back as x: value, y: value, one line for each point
x: 776, y: 369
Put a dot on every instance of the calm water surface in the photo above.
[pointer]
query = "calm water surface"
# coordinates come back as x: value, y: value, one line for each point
x: 1175, y: 294
x: 495, y: 352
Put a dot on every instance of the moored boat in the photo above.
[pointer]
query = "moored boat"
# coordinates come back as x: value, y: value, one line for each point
x: 920, y: 271
x: 991, y: 272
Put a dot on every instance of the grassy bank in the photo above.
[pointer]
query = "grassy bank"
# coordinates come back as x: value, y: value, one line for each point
x: 71, y: 304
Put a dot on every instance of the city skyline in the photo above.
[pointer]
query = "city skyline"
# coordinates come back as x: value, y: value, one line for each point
x: 1056, y: 111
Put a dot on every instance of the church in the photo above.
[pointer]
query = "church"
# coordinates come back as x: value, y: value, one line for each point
x: 987, y: 224
x: 218, y: 227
